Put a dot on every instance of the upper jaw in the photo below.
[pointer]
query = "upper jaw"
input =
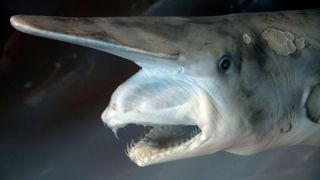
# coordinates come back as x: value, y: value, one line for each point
x: 153, y: 97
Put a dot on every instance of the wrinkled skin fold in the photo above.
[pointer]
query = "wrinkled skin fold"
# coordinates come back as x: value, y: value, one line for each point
x: 242, y: 83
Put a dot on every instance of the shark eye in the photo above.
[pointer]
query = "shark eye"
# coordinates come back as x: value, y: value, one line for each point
x: 224, y: 64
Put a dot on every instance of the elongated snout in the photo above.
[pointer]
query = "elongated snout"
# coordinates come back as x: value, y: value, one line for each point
x: 144, y: 40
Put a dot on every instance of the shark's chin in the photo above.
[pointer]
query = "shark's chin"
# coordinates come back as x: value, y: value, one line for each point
x: 163, y: 143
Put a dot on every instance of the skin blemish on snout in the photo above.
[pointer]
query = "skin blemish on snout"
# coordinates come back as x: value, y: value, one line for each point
x: 279, y: 41
x: 113, y: 106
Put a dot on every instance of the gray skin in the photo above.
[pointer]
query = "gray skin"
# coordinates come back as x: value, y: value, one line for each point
x: 268, y: 97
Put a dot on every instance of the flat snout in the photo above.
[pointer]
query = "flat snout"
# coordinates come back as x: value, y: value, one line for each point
x: 144, y: 40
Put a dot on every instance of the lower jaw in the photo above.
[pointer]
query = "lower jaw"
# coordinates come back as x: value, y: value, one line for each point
x: 162, y: 142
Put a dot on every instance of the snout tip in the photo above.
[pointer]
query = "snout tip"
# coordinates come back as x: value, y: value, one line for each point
x: 15, y: 21
x: 108, y: 118
x: 104, y: 116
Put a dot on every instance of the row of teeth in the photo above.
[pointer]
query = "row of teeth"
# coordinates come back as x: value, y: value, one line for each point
x: 141, y: 153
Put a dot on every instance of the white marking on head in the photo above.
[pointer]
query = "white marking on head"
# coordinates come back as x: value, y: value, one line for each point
x: 246, y: 38
x: 300, y: 43
x: 279, y: 41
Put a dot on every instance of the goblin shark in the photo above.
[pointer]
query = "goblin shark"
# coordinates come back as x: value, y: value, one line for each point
x: 242, y: 83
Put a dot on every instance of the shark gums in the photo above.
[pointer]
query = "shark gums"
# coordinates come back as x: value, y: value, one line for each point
x: 242, y: 83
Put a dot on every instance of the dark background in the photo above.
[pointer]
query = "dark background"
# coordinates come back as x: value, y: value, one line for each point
x: 53, y: 93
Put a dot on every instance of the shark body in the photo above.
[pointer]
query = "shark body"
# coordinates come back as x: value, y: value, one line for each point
x: 242, y: 83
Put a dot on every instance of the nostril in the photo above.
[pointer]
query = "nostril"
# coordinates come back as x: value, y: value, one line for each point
x: 113, y: 106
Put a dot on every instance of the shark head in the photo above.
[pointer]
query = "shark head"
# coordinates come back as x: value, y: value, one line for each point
x: 206, y: 83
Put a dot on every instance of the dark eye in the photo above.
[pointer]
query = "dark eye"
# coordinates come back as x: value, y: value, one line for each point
x: 224, y: 64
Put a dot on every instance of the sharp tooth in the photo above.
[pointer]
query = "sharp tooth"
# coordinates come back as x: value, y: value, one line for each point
x: 131, y: 144
x: 127, y: 150
x: 115, y: 130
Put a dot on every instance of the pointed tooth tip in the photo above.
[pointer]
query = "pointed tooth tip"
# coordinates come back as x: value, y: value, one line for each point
x: 107, y: 124
x: 115, y: 130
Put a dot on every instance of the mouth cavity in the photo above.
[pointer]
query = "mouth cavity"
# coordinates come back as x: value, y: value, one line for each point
x: 168, y: 136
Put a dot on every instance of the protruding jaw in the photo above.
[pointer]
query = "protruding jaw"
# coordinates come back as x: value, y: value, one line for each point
x: 180, y: 113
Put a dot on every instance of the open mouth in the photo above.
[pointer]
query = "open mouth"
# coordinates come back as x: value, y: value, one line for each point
x: 167, y: 105
x: 161, y: 141
x: 166, y: 136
